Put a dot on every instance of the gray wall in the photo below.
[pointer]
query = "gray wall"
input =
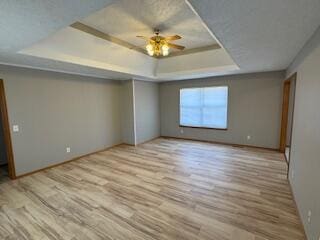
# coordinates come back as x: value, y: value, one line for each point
x: 3, y: 156
x: 254, y: 109
x: 290, y: 111
x: 57, y: 110
x: 304, y: 52
x: 127, y: 113
x: 305, y: 161
x: 147, y: 112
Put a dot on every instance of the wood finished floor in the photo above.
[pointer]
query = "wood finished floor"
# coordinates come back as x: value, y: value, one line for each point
x: 164, y: 189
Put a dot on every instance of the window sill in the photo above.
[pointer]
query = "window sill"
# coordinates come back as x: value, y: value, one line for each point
x: 222, y: 129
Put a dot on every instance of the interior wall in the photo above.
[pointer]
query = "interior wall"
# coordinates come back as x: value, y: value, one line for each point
x: 254, y: 109
x: 127, y: 113
x: 304, y: 162
x: 147, y: 110
x: 290, y: 110
x: 3, y: 155
x: 55, y: 111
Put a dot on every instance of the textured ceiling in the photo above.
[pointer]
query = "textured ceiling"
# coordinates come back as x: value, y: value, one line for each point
x: 260, y: 35
x: 125, y: 19
x: 26, y: 22
x: 74, y: 46
x: 77, y: 47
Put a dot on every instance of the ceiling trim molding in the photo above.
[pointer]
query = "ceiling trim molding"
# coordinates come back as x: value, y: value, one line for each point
x: 55, y: 70
x: 192, y: 50
x: 208, y: 29
x: 92, y: 31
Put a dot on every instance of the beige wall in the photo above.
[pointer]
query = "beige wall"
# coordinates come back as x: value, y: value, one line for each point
x: 55, y: 111
x: 305, y: 161
x: 254, y: 109
x: 147, y: 112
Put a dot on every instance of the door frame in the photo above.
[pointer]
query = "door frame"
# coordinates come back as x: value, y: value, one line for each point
x: 285, y: 112
x: 6, y: 131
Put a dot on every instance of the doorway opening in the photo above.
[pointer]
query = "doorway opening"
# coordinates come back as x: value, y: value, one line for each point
x: 7, y: 169
x: 289, y: 89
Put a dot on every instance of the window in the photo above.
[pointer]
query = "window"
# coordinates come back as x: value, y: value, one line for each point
x: 204, y: 107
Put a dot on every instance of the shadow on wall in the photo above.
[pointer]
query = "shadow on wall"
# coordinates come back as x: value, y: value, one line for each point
x: 3, y: 156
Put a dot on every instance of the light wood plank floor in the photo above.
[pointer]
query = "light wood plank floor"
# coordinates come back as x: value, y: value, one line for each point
x: 163, y: 189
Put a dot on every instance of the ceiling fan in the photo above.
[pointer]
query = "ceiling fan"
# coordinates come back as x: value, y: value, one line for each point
x: 159, y: 45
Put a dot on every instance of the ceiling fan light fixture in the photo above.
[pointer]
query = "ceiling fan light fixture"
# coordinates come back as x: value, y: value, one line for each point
x: 151, y: 53
x: 159, y: 45
x: 165, y: 47
x: 165, y: 53
x: 150, y: 49
x: 165, y: 50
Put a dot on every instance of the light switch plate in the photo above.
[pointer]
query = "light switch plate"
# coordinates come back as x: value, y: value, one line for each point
x: 309, y: 216
x: 68, y: 149
x: 15, y: 128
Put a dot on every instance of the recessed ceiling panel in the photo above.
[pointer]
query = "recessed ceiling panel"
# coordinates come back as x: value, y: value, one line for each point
x: 258, y: 35
x: 125, y: 19
x: 73, y: 46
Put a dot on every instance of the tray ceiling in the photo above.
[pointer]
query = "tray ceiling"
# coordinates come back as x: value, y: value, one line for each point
x: 125, y: 19
x: 107, y: 40
x: 255, y: 36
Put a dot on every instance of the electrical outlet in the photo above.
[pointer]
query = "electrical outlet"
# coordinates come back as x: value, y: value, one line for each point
x: 248, y: 137
x: 68, y: 149
x: 309, y: 216
x: 15, y: 128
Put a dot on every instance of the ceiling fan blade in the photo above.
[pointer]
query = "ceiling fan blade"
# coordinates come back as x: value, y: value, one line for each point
x: 172, y: 38
x: 171, y: 45
x: 143, y: 37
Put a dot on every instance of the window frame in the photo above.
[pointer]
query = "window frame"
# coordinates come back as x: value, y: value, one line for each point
x: 204, y: 127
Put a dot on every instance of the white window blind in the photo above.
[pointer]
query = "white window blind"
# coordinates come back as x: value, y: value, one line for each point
x: 204, y: 107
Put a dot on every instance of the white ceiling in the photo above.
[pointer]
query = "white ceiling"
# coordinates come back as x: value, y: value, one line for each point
x: 261, y: 35
x: 258, y: 35
x: 73, y: 46
x: 125, y: 19
x: 26, y: 22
